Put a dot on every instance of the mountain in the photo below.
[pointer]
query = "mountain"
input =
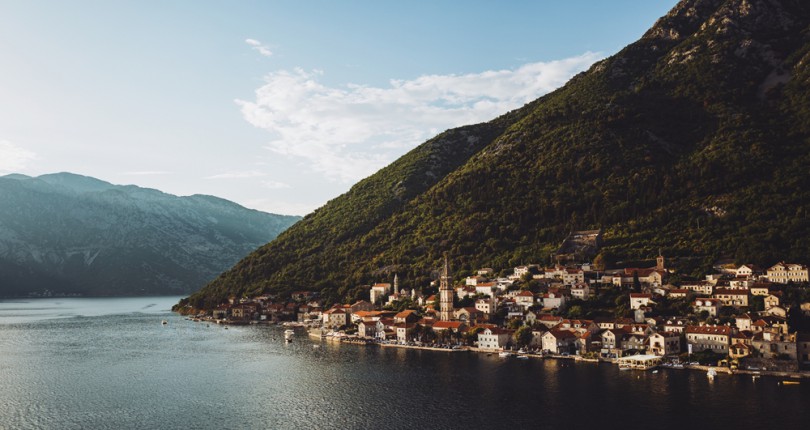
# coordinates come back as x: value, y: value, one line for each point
x: 72, y: 234
x: 692, y: 140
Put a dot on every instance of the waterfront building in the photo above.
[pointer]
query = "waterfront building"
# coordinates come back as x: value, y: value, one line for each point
x: 771, y: 344
x: 709, y: 337
x: 559, y: 341
x: 335, y: 317
x: 664, y: 343
x: 494, y: 338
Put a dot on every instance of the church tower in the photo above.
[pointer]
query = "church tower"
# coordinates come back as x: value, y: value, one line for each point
x: 445, y: 294
x: 659, y: 262
x: 396, y: 284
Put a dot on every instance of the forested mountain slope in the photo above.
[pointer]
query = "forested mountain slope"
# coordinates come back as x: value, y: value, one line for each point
x: 693, y: 139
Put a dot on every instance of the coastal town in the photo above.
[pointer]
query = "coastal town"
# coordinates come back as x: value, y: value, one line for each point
x: 739, y: 318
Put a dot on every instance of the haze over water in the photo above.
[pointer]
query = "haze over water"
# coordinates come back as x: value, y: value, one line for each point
x: 109, y: 363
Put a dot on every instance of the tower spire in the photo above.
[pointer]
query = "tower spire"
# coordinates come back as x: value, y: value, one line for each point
x: 445, y: 293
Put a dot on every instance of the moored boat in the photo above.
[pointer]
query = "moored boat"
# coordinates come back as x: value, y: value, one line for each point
x: 288, y: 334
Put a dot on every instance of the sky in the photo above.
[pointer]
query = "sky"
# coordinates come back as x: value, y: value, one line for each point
x: 279, y: 106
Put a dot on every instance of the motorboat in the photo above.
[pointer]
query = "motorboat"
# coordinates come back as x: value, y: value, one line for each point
x: 288, y: 334
x: 711, y: 373
x: 164, y: 322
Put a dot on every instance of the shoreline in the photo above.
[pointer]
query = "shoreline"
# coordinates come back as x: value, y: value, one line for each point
x: 369, y: 342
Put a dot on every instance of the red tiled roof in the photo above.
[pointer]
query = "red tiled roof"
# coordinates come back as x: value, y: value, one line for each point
x: 447, y: 324
x: 706, y: 329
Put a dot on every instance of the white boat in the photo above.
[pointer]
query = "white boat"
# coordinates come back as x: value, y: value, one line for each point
x: 711, y: 373
x: 523, y: 357
x: 288, y: 334
x: 505, y: 354
x: 164, y: 322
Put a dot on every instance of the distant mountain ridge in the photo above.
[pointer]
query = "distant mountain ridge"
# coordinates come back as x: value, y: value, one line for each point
x: 73, y: 234
x: 695, y: 140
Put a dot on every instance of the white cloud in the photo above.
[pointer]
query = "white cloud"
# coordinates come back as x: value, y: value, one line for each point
x: 275, y: 185
x: 148, y: 173
x: 14, y: 158
x: 238, y: 175
x: 347, y: 133
x: 259, y: 47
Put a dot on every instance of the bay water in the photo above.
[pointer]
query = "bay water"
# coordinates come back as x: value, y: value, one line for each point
x: 109, y: 363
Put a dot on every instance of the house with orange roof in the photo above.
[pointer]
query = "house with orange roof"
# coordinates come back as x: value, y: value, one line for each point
x: 452, y: 326
x: 487, y: 288
x: 406, y: 316
x: 469, y: 315
x: 404, y: 332
x: 370, y: 328
x: 362, y: 315
x: 556, y: 341
x: 335, y: 317
x: 739, y: 350
x: 525, y: 299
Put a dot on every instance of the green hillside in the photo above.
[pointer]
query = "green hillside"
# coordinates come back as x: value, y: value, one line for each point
x: 693, y: 139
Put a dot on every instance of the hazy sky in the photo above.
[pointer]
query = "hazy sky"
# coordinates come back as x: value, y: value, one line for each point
x: 277, y: 105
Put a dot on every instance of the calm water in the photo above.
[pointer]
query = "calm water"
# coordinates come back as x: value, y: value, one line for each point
x: 109, y: 363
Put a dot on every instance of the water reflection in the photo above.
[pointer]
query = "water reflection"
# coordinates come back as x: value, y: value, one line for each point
x: 122, y: 369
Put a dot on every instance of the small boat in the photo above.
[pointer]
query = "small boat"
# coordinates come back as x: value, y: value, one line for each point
x: 288, y: 334
x: 655, y: 371
x: 523, y: 357
x: 711, y: 373
x: 505, y: 354
x: 790, y: 382
x: 164, y: 322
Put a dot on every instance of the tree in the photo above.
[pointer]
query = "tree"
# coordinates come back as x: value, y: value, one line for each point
x: 636, y: 282
x: 514, y: 324
x: 575, y: 311
x: 523, y: 336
